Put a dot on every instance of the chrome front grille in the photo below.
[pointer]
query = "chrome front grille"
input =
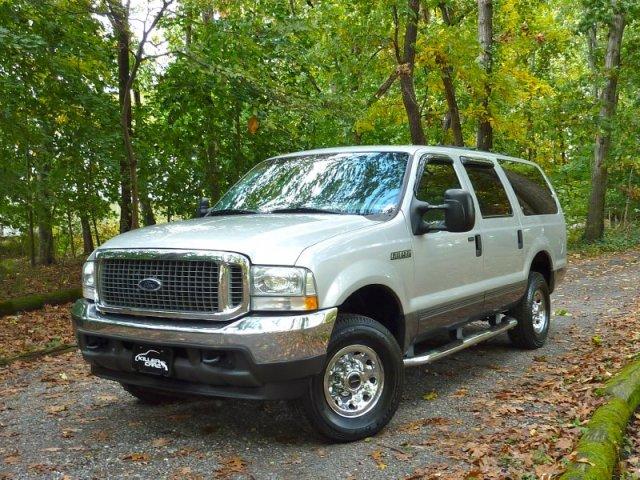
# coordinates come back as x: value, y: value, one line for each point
x: 236, y: 288
x: 180, y: 284
x: 186, y: 286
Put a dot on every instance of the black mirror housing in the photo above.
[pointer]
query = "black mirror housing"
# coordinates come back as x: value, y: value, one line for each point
x: 203, y: 207
x: 459, y: 214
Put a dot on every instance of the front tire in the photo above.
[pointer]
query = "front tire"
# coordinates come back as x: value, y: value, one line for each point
x: 360, y: 386
x: 533, y: 313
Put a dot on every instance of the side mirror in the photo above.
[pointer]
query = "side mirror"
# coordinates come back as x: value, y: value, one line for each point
x: 203, y: 207
x: 459, y: 213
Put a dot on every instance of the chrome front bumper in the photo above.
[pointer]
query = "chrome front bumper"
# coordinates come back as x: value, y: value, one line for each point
x: 268, y: 339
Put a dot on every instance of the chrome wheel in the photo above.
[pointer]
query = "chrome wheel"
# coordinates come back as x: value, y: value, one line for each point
x: 353, y: 381
x: 539, y: 315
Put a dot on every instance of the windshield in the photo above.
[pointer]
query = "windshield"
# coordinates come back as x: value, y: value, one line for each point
x: 363, y: 183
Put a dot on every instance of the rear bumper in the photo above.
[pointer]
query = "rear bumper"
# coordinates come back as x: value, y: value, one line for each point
x: 253, y: 357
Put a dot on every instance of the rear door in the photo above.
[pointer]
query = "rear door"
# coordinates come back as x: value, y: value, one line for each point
x: 501, y: 234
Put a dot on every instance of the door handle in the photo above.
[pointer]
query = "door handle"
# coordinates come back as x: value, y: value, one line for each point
x: 520, y: 240
x: 478, y: 240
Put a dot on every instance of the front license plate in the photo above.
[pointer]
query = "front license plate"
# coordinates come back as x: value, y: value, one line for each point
x: 154, y: 360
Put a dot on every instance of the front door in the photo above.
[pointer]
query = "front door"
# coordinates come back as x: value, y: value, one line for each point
x: 448, y: 266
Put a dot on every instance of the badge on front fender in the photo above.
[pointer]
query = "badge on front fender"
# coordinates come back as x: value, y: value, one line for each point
x: 399, y: 255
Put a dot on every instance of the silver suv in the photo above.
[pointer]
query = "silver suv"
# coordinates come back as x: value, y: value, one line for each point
x: 320, y: 275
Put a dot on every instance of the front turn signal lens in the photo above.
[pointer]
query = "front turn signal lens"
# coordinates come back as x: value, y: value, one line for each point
x: 311, y: 302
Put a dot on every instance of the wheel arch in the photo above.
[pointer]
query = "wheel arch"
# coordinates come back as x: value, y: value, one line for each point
x: 381, y: 303
x: 543, y: 264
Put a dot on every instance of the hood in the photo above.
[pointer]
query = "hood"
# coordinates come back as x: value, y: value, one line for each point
x: 276, y: 239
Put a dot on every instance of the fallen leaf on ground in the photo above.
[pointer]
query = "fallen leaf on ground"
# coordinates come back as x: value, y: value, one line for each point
x: 160, y: 442
x: 230, y: 466
x: 137, y: 457
x: 377, y: 457
x: 430, y: 396
x: 53, y: 409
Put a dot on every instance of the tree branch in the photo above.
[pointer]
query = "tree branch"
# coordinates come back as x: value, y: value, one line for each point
x: 396, y: 46
x: 382, y: 89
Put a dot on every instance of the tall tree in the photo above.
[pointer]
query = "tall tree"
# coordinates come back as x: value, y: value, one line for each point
x: 406, y: 65
x: 484, y: 140
x: 594, y: 228
x: 119, y: 18
x: 118, y: 14
x: 446, y: 73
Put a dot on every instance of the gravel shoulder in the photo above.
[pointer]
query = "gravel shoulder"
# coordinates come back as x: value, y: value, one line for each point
x: 56, y: 421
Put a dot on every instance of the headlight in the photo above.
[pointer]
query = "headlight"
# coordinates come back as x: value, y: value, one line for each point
x: 89, y: 281
x: 282, y: 288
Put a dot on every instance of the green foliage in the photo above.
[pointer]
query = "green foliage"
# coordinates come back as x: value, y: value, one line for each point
x: 248, y: 80
x: 616, y: 239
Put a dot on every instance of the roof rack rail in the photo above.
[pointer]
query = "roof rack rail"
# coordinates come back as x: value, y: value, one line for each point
x: 474, y: 149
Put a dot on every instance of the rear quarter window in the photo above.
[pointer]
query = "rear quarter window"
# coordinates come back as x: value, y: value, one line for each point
x: 529, y: 185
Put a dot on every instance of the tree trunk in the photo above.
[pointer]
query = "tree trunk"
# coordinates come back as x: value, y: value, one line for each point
x: 594, y: 229
x: 70, y: 233
x: 121, y: 26
x: 413, y: 109
x: 212, y: 172
x: 119, y: 17
x: 484, y: 140
x: 32, y: 239
x: 44, y: 215
x: 239, y: 158
x: 87, y: 240
x: 132, y: 162
x: 148, y: 218
x: 95, y: 230
x: 29, y: 205
x: 406, y: 70
x: 446, y: 73
x: 592, y: 45
x: 627, y: 203
x: 45, y: 245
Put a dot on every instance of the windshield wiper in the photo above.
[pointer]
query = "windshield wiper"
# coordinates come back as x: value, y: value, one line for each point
x: 305, y: 210
x: 229, y: 211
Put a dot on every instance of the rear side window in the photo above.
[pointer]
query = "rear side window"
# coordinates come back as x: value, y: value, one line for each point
x: 533, y: 192
x: 490, y: 192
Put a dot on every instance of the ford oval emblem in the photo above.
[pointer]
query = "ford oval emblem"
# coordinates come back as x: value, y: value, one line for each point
x: 150, y: 284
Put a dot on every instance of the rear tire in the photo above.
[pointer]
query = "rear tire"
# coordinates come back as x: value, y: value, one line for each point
x: 150, y: 396
x: 360, y: 386
x: 533, y: 313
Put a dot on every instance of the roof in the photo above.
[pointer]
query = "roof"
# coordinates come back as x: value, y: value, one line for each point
x: 410, y: 149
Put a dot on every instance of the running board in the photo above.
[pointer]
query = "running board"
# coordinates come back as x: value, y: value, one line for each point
x: 440, y: 352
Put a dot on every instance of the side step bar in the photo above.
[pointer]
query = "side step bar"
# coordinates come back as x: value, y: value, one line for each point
x: 450, y: 348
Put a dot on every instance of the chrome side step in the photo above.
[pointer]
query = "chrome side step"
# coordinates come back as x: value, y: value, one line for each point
x: 507, y: 323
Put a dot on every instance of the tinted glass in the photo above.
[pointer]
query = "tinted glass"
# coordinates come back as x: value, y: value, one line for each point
x: 534, y: 195
x: 437, y: 178
x: 489, y: 191
x: 354, y: 183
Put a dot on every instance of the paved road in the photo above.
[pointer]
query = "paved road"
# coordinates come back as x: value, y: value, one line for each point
x: 57, y: 422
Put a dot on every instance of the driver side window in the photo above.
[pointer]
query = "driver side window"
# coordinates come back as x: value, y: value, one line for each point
x: 437, y: 177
